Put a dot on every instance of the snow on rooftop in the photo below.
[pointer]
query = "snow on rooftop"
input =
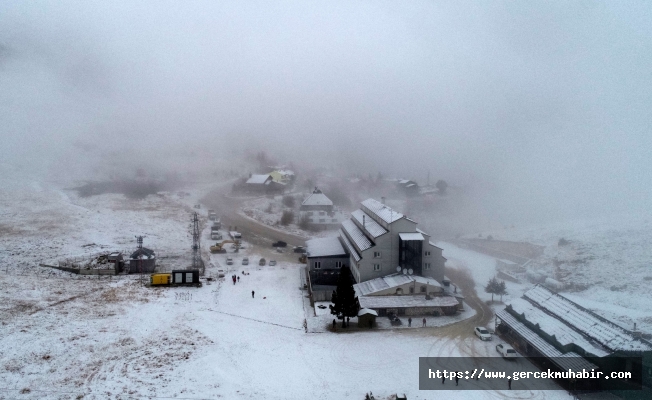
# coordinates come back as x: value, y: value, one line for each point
x: 317, y: 199
x: 372, y: 227
x: 422, y: 232
x: 356, y: 235
x: 324, y: 247
x: 382, y: 211
x: 564, y: 334
x: 406, y: 301
x: 367, y: 311
x: 565, y: 361
x: 411, y: 236
x: 390, y: 281
x: 352, y: 250
x: 258, y: 179
x: 597, y: 328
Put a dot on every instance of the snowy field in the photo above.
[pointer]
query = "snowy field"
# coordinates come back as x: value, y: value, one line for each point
x: 66, y: 337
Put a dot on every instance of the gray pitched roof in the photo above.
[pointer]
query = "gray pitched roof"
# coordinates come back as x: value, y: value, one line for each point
x: 356, y: 235
x: 352, y: 251
x: 317, y: 199
x: 382, y: 211
x: 372, y: 227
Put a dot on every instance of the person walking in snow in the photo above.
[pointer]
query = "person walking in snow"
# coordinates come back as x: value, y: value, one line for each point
x: 424, y: 322
x: 409, y: 322
x: 252, y: 294
x: 238, y: 279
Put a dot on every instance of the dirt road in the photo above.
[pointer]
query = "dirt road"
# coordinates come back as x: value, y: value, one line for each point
x: 252, y: 231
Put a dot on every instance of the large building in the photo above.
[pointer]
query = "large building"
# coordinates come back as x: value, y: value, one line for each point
x: 550, y: 326
x: 319, y: 210
x: 379, y: 240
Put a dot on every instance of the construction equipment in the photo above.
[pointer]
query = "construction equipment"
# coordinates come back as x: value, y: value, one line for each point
x: 219, y: 247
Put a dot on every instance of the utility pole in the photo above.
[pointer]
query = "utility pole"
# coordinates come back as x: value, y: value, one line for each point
x: 139, y: 240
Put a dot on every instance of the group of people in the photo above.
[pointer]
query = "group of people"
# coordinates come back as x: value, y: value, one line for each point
x: 410, y: 322
x: 235, y: 278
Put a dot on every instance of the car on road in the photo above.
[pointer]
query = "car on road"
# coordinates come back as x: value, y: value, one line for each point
x: 299, y: 249
x: 229, y: 261
x: 262, y: 262
x: 506, y: 351
x: 393, y: 319
x: 482, y: 333
x: 280, y: 243
x: 272, y: 263
x: 220, y: 273
x: 245, y: 261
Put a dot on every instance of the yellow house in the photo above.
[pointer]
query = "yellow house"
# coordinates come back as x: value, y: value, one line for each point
x: 282, y: 176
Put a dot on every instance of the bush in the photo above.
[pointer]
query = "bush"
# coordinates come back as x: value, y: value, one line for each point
x: 287, y: 217
x: 304, y: 223
x: 288, y: 201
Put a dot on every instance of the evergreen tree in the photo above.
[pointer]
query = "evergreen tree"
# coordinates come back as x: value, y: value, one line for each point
x: 493, y: 287
x: 345, y: 304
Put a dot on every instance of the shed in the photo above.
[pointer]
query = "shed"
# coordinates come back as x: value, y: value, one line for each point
x: 142, y: 260
x: 185, y: 276
x: 367, y: 317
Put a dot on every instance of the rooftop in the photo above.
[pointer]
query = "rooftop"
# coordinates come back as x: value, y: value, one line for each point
x: 390, y: 281
x: 372, y: 227
x: 325, y: 247
x: 564, y: 334
x: 411, y: 236
x: 565, y: 361
x: 317, y: 198
x: 352, y: 251
x: 382, y: 211
x: 605, y: 332
x: 258, y: 179
x: 356, y: 235
x: 406, y: 301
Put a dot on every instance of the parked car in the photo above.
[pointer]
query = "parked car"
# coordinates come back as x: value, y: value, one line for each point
x: 279, y: 250
x: 482, y: 333
x: 229, y: 261
x: 299, y: 249
x: 245, y: 261
x: 262, y: 262
x: 506, y: 351
x: 280, y: 243
x: 220, y: 273
x: 272, y: 263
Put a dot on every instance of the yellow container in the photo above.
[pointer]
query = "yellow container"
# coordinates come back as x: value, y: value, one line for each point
x: 161, y: 279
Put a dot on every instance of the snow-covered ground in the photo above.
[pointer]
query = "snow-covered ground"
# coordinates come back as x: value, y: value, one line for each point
x: 70, y: 337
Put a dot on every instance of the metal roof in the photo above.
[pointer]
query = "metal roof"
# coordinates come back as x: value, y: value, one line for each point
x: 356, y: 235
x: 324, y: 247
x: 406, y: 301
x: 382, y: 211
x: 352, y: 251
x: 565, y: 361
x: 411, y: 236
x: 605, y: 332
x: 390, y: 281
x: 373, y: 228
x: 564, y: 334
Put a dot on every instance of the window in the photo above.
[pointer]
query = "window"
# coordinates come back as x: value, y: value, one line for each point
x: 426, y: 266
x: 317, y: 264
x: 338, y: 264
x: 422, y: 289
x: 322, y: 220
x: 334, y: 220
x: 411, y: 290
x: 322, y: 213
x: 376, y: 254
x: 427, y: 253
x: 309, y: 213
x: 376, y: 267
x: 399, y: 291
